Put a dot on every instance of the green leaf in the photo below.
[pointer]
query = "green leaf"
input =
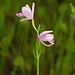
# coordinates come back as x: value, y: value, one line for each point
x: 38, y: 28
x: 73, y: 16
x: 19, y: 62
x: 34, y: 53
x: 72, y: 9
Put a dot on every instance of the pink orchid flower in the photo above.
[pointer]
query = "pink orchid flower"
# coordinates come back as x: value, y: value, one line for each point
x: 44, y: 36
x: 26, y: 11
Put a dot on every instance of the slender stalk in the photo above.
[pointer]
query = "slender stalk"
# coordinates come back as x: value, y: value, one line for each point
x: 38, y: 66
x: 37, y: 62
x: 34, y: 25
x: 37, y: 51
x: 37, y: 58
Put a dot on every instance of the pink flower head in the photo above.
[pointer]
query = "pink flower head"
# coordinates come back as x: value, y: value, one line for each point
x: 26, y: 11
x: 44, y: 36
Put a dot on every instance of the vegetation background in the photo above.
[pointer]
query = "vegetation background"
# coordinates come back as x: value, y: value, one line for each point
x: 17, y: 39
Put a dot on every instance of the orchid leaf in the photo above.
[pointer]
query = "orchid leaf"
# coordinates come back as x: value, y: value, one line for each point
x: 34, y: 53
x: 39, y: 28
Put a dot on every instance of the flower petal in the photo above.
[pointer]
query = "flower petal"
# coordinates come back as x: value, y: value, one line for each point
x: 24, y: 19
x: 45, y: 32
x: 19, y: 15
x: 33, y: 9
x: 52, y: 41
x: 46, y: 37
x: 27, y: 13
x: 46, y: 44
x: 27, y: 6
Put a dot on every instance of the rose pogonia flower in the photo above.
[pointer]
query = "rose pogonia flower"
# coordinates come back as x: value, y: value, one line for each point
x: 26, y: 11
x: 44, y: 36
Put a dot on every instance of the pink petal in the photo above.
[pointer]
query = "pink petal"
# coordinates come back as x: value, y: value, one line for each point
x: 33, y: 9
x: 24, y: 19
x: 45, y: 32
x: 46, y: 44
x: 27, y: 13
x: 46, y: 37
x: 27, y: 6
x: 19, y: 15
x: 52, y: 41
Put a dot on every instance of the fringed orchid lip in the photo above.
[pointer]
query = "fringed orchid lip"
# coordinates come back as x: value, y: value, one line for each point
x: 26, y: 11
x: 45, y: 36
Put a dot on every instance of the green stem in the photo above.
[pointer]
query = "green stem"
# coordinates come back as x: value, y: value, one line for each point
x: 34, y: 25
x: 37, y: 58
x: 37, y: 51
x: 38, y: 66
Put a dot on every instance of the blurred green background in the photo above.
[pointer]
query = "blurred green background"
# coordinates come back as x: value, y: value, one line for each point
x: 17, y: 39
